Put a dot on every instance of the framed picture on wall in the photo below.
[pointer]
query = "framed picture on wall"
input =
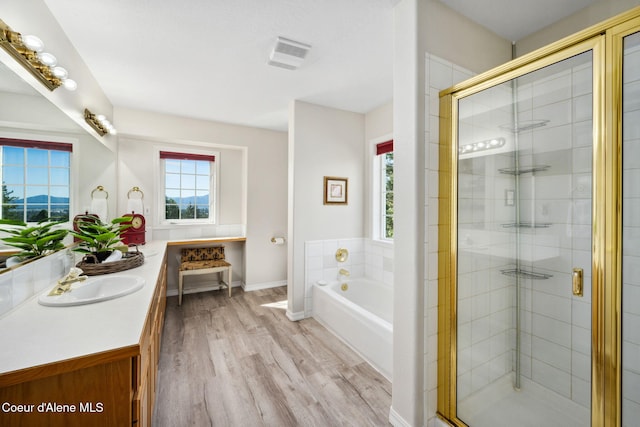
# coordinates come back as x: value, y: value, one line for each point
x: 335, y: 190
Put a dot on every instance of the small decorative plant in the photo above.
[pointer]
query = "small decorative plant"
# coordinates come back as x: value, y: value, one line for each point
x: 33, y: 240
x: 98, y: 239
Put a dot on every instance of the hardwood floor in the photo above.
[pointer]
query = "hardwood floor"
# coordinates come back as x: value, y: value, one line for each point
x: 240, y: 361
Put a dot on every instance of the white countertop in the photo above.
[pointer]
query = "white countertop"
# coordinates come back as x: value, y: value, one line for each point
x: 33, y: 335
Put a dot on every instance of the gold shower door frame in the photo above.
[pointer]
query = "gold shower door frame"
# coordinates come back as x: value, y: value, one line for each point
x: 605, y: 41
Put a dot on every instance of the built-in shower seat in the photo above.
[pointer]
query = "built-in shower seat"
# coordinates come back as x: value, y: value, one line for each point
x: 197, y: 261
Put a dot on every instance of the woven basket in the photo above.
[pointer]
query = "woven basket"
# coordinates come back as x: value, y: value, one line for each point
x: 129, y: 260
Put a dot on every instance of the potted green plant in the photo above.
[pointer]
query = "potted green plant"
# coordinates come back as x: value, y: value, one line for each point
x: 33, y: 240
x: 97, y: 240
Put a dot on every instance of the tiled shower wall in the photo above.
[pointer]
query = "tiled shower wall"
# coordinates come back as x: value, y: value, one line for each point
x: 556, y: 325
x: 485, y: 296
x: 631, y: 234
x: 440, y: 74
x: 367, y: 258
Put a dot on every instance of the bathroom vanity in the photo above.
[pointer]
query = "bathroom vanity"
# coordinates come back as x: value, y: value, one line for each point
x: 92, y: 364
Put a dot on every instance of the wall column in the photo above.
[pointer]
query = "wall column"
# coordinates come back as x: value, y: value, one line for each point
x: 409, y: 203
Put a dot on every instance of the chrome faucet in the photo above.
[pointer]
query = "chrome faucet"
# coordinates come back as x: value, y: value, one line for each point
x: 64, y: 284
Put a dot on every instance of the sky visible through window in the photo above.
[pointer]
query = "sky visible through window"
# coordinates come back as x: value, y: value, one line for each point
x: 35, y: 184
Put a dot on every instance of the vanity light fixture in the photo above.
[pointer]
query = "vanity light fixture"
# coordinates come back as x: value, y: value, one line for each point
x: 482, y: 145
x: 99, y: 123
x: 29, y: 52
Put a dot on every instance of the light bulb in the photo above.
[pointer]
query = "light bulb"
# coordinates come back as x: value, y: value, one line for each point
x: 47, y: 59
x: 60, y: 73
x: 33, y: 43
x: 70, y: 84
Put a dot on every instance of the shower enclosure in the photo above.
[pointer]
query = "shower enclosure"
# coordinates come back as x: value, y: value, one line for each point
x: 533, y: 262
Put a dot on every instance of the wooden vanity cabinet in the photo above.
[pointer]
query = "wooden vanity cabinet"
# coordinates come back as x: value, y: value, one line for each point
x: 145, y: 367
x: 114, y: 388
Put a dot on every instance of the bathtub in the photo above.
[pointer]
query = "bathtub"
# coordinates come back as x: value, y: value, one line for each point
x: 361, y: 316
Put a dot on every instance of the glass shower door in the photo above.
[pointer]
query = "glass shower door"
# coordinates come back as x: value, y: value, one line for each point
x: 631, y: 231
x: 524, y: 207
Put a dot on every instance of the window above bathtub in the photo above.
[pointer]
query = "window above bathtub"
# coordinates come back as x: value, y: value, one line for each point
x: 382, y: 196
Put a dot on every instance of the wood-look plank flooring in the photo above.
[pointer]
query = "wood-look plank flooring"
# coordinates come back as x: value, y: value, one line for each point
x: 240, y: 361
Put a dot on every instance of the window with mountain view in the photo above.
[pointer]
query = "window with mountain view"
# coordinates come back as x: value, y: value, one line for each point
x: 188, y: 186
x: 35, y: 180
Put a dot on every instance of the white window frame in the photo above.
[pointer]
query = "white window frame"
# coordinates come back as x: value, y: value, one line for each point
x: 72, y: 170
x: 213, y: 185
x: 377, y: 199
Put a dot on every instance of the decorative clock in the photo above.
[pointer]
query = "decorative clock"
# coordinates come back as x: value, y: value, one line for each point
x: 135, y: 234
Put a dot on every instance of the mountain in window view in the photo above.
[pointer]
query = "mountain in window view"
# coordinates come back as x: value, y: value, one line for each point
x: 41, y: 199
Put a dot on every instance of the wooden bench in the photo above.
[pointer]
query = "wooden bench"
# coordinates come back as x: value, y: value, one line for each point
x: 195, y: 261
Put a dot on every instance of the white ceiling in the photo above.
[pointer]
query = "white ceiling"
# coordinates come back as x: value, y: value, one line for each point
x: 207, y: 59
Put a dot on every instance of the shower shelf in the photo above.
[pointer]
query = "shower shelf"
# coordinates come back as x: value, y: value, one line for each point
x: 524, y: 169
x: 528, y: 225
x: 514, y: 272
x: 525, y: 125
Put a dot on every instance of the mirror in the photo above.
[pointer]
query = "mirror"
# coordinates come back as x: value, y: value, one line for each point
x: 26, y: 114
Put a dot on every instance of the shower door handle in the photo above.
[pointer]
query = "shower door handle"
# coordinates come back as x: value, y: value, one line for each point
x: 578, y: 282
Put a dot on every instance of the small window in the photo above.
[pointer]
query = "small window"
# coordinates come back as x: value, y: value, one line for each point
x: 188, y: 187
x: 35, y: 180
x: 384, y: 152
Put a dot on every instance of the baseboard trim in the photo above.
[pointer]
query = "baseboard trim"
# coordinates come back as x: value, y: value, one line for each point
x: 294, y: 317
x: 264, y: 285
x: 396, y: 420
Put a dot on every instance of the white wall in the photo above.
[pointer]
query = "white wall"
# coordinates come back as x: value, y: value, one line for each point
x: 408, y: 127
x: 87, y: 155
x: 322, y: 142
x: 33, y: 17
x: 266, y: 178
x: 424, y: 27
x: 36, y: 118
x: 232, y: 186
x: 458, y: 39
x: 590, y: 15
x: 85, y: 177
x: 231, y: 191
x: 379, y: 121
x: 378, y: 128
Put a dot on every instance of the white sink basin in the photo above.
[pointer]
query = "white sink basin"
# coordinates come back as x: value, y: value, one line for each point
x: 94, y: 289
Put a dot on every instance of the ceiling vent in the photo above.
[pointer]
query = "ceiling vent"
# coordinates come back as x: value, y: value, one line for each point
x: 288, y: 54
